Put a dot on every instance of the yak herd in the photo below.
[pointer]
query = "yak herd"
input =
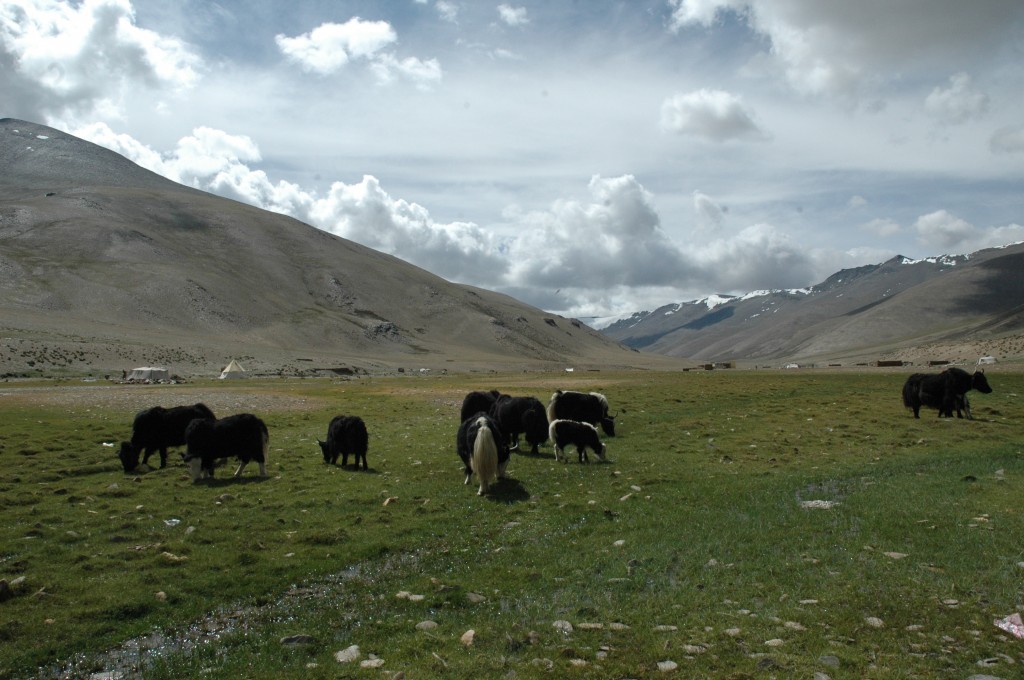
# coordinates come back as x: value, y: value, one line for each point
x: 490, y: 427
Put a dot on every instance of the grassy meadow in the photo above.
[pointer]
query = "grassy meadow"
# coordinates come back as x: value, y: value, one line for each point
x: 748, y: 524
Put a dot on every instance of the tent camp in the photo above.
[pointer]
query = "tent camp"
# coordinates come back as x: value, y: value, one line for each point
x: 232, y: 370
x: 148, y: 373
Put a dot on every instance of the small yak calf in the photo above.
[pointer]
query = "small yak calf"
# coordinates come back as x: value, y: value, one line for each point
x: 581, y: 435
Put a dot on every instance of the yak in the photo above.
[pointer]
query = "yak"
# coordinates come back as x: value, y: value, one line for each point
x: 479, y: 444
x: 243, y: 436
x: 521, y: 415
x: 581, y: 435
x: 345, y: 435
x: 156, y: 429
x: 582, y: 407
x: 477, y: 402
x: 946, y: 391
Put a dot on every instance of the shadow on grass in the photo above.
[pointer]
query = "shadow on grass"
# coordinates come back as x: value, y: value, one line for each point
x: 509, y: 490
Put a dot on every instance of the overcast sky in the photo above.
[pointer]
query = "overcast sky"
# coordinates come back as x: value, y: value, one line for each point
x: 589, y: 157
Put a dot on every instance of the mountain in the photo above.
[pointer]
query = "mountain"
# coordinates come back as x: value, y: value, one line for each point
x: 105, y: 266
x: 899, y: 308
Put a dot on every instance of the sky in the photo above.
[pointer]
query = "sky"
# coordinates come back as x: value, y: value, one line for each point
x: 593, y: 158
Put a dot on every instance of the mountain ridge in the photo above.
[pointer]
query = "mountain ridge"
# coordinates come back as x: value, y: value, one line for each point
x: 105, y: 265
x: 872, y: 310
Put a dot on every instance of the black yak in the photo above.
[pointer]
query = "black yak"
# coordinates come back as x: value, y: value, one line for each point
x: 946, y: 391
x: 477, y: 402
x: 581, y: 435
x: 582, y: 407
x: 521, y: 415
x: 156, y: 429
x: 345, y: 435
x: 243, y: 436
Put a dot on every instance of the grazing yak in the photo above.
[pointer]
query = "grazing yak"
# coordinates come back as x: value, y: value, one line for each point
x: 581, y: 435
x: 479, y: 443
x: 946, y: 391
x: 243, y: 436
x: 477, y: 402
x: 521, y: 415
x: 345, y: 435
x: 582, y: 407
x: 158, y: 428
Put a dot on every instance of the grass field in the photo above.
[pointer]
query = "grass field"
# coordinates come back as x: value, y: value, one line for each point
x: 749, y: 524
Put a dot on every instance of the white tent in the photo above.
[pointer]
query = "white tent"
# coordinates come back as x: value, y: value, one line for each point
x: 148, y: 373
x: 232, y: 370
x: 986, y: 360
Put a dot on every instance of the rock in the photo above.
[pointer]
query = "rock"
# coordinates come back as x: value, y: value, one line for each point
x: 616, y: 625
x: 426, y: 625
x: 793, y: 625
x: 475, y: 598
x: 300, y: 639
x: 347, y: 655
x: 562, y: 627
x: 372, y: 662
x: 467, y: 637
x: 667, y: 666
x: 590, y: 626
x: 774, y: 642
x: 874, y: 622
x: 829, y: 660
x: 666, y: 629
x: 732, y: 632
x: 161, y: 595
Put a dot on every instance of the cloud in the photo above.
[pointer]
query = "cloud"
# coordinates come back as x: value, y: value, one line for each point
x: 329, y: 47
x: 957, y: 103
x: 709, y: 214
x: 837, y: 47
x: 1008, y: 140
x: 72, y: 61
x: 943, y: 231
x: 713, y: 115
x: 423, y: 73
x: 882, y: 227
x: 513, y: 16
x: 758, y: 257
x: 449, y: 11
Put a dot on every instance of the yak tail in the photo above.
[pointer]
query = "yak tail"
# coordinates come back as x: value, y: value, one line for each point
x: 485, y: 456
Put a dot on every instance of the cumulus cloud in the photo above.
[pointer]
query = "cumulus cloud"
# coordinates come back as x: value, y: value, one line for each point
x: 52, y: 52
x: 448, y: 11
x: 883, y: 227
x: 957, y: 103
x: 423, y: 74
x: 713, y: 115
x: 758, y: 257
x: 330, y: 46
x: 513, y: 16
x: 1008, y: 140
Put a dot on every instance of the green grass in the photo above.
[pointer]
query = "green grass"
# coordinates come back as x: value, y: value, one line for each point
x: 691, y: 546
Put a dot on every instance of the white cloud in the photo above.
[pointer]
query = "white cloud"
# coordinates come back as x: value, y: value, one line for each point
x: 329, y: 46
x: 59, y: 60
x: 1008, y: 140
x: 950, y: 234
x: 714, y: 115
x: 957, y: 103
x: 883, y: 227
x: 838, y: 47
x: 423, y: 73
x: 513, y: 16
x: 709, y: 214
x: 449, y: 11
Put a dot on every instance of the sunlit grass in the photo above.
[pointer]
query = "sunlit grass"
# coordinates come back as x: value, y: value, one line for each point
x: 690, y: 547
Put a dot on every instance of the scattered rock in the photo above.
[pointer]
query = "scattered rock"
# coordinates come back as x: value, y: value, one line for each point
x: 774, y: 642
x: 162, y: 596
x: 895, y: 555
x: 562, y: 627
x: 171, y: 557
x: 616, y: 625
x: 874, y: 622
x: 372, y: 662
x: 666, y: 629
x: 818, y: 505
x: 829, y: 660
x: 475, y: 598
x: 732, y: 632
x: 301, y: 639
x: 793, y: 625
x: 467, y: 637
x: 667, y: 666
x: 225, y: 497
x: 348, y: 655
x: 694, y: 649
x: 426, y: 625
